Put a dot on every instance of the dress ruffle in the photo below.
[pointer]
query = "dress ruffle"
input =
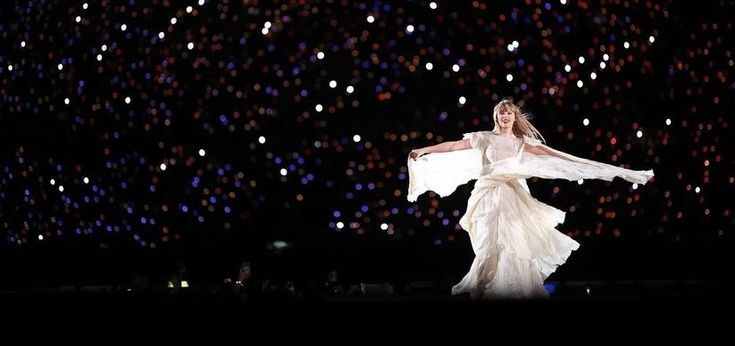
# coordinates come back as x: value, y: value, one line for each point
x: 513, y: 235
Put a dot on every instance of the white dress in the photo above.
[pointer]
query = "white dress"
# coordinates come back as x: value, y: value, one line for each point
x: 513, y: 235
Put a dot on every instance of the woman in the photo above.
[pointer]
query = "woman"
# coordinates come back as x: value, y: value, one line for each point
x: 513, y: 235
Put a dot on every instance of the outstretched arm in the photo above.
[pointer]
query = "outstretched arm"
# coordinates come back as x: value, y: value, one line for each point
x: 541, y: 150
x: 545, y: 163
x: 440, y: 148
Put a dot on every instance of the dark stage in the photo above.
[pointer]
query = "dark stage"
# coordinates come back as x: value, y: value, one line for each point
x: 246, y: 162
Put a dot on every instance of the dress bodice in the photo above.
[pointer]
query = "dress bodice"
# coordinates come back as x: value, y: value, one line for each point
x: 502, y: 147
x: 494, y: 146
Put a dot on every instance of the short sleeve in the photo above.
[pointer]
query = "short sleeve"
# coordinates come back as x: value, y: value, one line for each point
x: 478, y: 140
x: 532, y: 141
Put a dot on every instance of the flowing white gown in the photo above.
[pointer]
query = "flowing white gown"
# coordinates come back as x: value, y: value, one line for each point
x: 513, y: 235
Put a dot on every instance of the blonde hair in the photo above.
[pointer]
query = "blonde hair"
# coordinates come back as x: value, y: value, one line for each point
x: 521, y: 126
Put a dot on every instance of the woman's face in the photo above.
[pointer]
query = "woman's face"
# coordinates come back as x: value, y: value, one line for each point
x: 506, y: 118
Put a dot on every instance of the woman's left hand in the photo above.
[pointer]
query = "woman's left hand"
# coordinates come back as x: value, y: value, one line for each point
x: 416, y: 153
